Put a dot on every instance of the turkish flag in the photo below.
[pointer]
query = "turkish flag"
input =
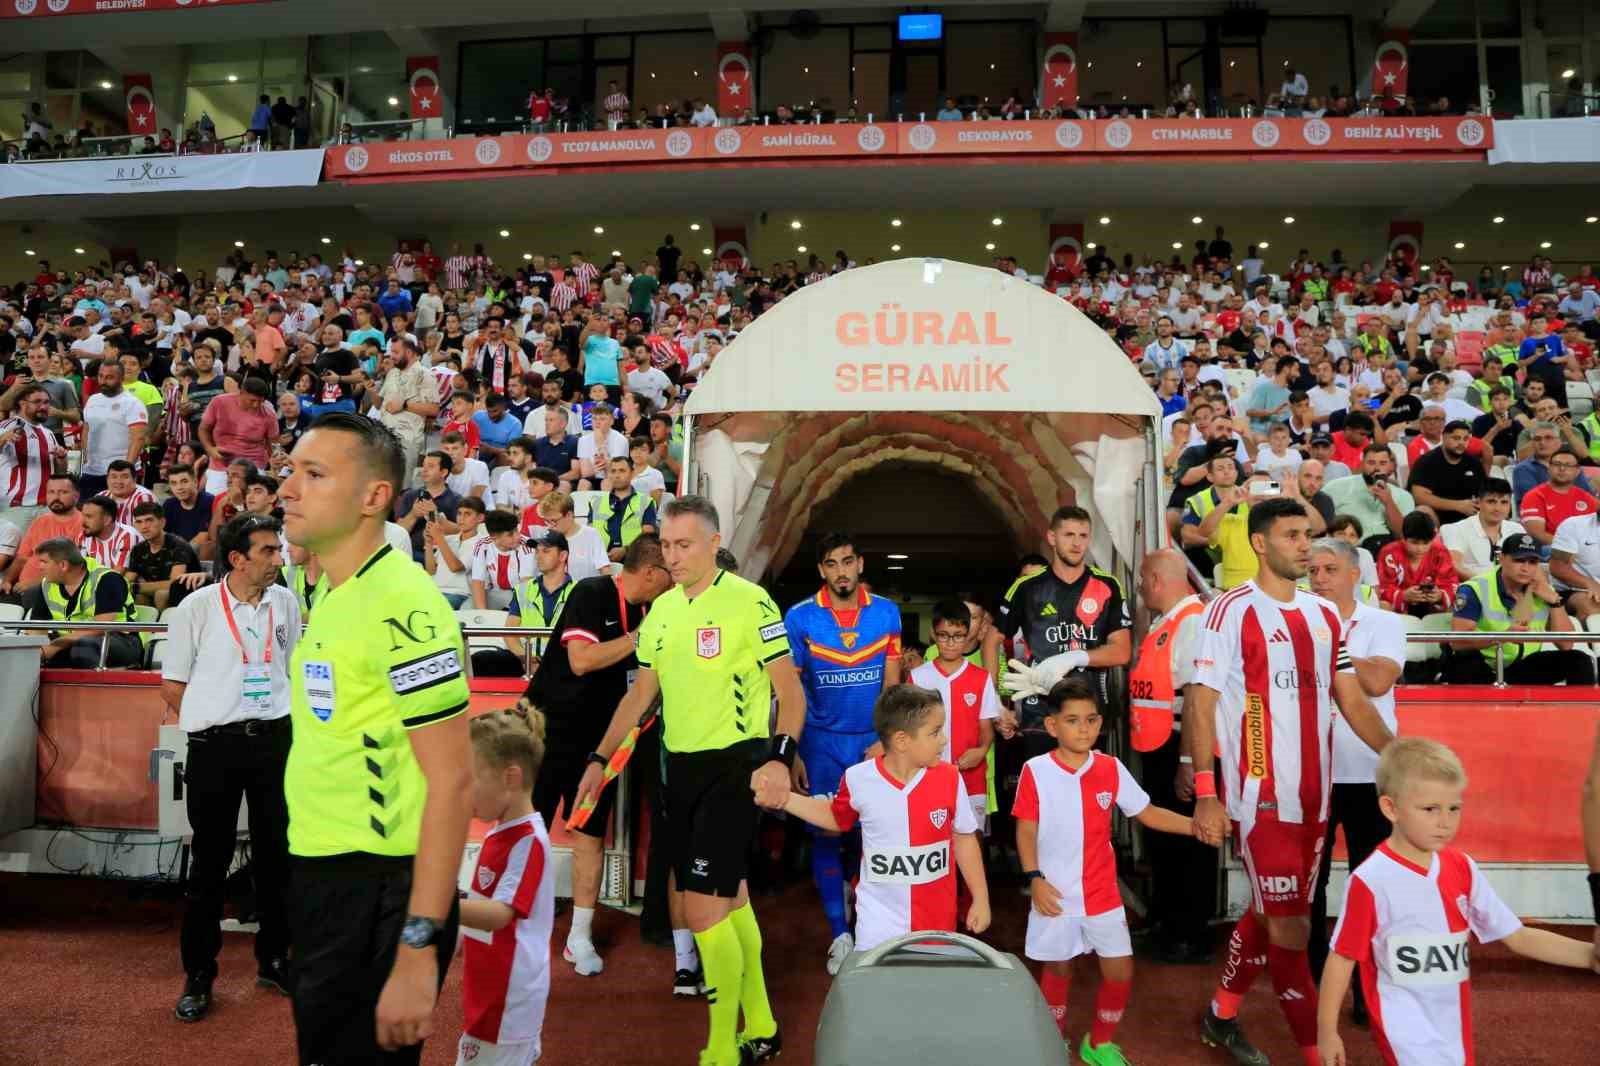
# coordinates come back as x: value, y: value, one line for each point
x: 733, y: 78
x: 1405, y: 241
x: 141, y: 104
x: 1058, y: 85
x: 423, y: 74
x: 1389, y: 66
x: 732, y: 248
x: 1066, y: 254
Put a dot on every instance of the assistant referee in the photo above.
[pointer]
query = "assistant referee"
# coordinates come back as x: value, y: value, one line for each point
x: 379, y: 773
x: 714, y: 648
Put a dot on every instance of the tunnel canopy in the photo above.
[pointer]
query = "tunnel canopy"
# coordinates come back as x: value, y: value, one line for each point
x: 922, y: 361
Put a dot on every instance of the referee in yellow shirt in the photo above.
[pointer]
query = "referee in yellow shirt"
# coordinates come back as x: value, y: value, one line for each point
x: 378, y: 778
x: 714, y: 648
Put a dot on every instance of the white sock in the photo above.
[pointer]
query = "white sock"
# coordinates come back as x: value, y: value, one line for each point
x: 582, y: 919
x: 688, y: 956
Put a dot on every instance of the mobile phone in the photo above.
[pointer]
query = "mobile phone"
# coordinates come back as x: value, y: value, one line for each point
x: 1265, y: 488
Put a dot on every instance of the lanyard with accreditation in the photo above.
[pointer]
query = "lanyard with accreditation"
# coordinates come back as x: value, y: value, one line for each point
x: 619, y: 758
x: 255, y: 679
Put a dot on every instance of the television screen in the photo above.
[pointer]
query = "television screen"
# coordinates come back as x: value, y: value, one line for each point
x: 921, y: 27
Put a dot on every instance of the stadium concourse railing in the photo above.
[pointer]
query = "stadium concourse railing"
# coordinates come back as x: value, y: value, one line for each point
x: 26, y: 626
x: 1499, y: 640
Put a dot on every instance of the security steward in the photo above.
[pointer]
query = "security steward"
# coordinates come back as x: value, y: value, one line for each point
x: 538, y: 602
x: 714, y: 649
x: 1515, y: 597
x: 225, y: 673
x: 78, y: 589
x: 587, y: 667
x: 379, y: 775
x: 1183, y: 870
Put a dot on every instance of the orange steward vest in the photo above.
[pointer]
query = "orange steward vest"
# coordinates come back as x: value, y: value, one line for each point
x: 1150, y: 685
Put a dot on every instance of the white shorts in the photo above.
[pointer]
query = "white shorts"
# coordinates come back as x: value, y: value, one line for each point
x: 1061, y: 938
x: 474, y: 1052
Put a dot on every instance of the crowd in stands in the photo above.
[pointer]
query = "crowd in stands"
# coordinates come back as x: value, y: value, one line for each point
x: 1434, y: 420
x: 1426, y: 417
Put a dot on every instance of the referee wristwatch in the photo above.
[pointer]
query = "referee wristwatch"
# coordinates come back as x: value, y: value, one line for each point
x: 419, y: 932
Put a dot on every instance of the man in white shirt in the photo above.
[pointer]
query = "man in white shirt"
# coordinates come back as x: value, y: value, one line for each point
x: 601, y: 437
x: 704, y: 115
x: 646, y: 380
x: 1327, y: 397
x: 1575, y: 564
x: 510, y: 482
x: 1375, y: 640
x: 1295, y: 88
x: 115, y: 426
x: 225, y: 672
x: 468, y: 477
x: 1474, y: 542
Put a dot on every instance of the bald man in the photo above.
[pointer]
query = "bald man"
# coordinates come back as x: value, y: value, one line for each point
x: 1183, y: 870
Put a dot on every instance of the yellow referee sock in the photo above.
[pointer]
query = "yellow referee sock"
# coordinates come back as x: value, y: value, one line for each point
x: 722, y: 957
x: 758, y: 1019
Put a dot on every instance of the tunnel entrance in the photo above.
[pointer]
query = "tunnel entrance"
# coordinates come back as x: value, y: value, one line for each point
x: 926, y: 534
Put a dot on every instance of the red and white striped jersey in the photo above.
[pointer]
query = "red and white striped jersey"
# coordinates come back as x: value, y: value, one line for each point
x: 969, y: 697
x: 25, y: 465
x: 562, y: 295
x: 506, y: 973
x: 583, y: 274
x: 1073, y: 809
x: 908, y: 876
x: 503, y: 570
x: 111, y: 550
x: 1408, y: 928
x: 1272, y: 664
x: 135, y: 498
x: 458, y: 271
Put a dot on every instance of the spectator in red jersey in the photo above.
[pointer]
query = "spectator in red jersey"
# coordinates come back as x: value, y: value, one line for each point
x: 1546, y: 506
x: 540, y: 105
x: 1416, y: 574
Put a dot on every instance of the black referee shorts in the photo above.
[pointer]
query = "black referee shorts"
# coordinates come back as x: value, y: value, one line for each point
x: 557, y: 786
x: 345, y: 914
x: 711, y: 815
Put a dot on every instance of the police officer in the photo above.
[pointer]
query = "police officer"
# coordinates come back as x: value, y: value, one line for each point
x: 225, y: 673
x: 78, y: 589
x: 1183, y: 870
x: 1515, y: 597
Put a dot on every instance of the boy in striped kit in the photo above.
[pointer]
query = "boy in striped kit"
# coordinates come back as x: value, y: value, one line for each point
x: 1063, y: 818
x: 1408, y: 912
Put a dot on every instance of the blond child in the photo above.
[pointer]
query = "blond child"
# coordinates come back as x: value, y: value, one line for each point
x: 510, y: 904
x: 1407, y: 914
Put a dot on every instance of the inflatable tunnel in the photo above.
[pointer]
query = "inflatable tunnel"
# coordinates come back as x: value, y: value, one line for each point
x: 934, y: 363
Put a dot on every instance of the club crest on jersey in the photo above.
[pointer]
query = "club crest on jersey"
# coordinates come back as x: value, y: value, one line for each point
x: 971, y: 698
x: 1104, y: 799
x: 1322, y: 634
x: 848, y: 639
x: 708, y: 642
x: 485, y: 878
x: 938, y: 816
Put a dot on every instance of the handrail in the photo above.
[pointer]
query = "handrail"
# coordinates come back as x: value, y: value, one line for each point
x: 105, y: 629
x: 1591, y: 102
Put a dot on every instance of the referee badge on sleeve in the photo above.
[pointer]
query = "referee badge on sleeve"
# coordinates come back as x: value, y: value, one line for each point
x: 708, y: 642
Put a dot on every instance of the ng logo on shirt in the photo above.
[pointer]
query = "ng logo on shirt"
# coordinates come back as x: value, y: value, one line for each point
x: 1428, y: 959
x: 907, y: 866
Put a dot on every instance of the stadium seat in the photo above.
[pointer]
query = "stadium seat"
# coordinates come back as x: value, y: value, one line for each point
x: 1433, y: 623
x: 153, y: 654
x: 11, y: 612
x: 145, y: 613
x: 1580, y: 399
x: 472, y: 616
x: 583, y: 503
x: 1402, y: 461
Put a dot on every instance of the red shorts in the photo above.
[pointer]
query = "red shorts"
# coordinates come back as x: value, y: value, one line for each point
x: 1281, y: 860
